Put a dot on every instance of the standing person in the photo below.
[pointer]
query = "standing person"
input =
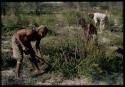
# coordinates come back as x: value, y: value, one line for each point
x: 21, y: 44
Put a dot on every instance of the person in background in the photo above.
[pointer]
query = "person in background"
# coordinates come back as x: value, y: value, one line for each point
x: 100, y: 19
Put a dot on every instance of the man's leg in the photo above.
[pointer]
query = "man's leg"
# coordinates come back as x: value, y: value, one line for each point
x: 17, y: 54
x: 18, y: 65
x: 19, y: 61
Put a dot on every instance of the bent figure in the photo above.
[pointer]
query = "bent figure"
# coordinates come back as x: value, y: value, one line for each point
x: 100, y: 19
x: 21, y: 44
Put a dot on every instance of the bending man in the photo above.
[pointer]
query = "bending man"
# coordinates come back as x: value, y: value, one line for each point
x: 21, y: 44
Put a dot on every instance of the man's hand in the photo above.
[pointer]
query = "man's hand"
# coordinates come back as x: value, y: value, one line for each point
x: 26, y: 50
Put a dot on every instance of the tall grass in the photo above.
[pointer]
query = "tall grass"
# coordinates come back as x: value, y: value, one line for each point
x: 13, y: 23
x: 70, y: 56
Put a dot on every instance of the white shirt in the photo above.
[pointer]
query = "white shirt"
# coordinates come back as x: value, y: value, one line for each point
x: 99, y: 16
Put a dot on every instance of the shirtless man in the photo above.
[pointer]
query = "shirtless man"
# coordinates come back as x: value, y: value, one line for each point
x: 21, y: 44
x: 100, y: 19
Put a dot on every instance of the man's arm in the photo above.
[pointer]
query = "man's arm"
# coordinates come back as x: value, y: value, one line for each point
x: 38, y: 48
x: 18, y: 37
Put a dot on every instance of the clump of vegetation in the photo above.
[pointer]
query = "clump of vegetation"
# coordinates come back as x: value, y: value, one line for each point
x: 71, y: 57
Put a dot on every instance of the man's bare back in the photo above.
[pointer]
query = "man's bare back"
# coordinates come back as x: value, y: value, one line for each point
x: 28, y: 35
